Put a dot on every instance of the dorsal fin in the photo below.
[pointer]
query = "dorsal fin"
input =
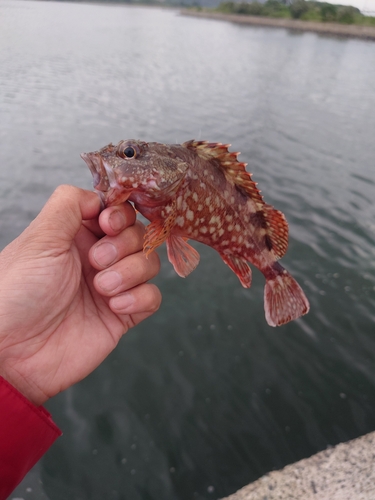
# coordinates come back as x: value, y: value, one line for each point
x: 234, y: 171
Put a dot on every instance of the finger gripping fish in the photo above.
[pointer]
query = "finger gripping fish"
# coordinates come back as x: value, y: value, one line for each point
x: 200, y: 191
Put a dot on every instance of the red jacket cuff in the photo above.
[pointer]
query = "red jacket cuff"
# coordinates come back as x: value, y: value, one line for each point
x: 26, y: 433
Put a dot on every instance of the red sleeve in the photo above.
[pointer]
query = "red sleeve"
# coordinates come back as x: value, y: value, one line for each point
x: 26, y: 433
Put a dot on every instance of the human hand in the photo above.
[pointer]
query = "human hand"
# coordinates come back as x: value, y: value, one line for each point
x: 59, y: 316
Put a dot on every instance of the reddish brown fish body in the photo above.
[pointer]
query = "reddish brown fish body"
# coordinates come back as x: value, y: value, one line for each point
x: 199, y: 191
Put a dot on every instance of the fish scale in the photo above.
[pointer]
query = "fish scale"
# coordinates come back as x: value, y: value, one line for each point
x: 199, y: 190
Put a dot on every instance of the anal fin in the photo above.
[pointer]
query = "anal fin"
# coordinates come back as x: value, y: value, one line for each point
x: 182, y: 256
x: 240, y: 267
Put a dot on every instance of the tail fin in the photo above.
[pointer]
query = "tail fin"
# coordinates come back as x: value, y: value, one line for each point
x: 284, y: 299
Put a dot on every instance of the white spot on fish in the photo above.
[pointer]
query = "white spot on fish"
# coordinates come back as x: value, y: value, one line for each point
x: 180, y: 221
x: 215, y: 220
x: 237, y: 227
x: 200, y: 207
x: 229, y: 218
x: 189, y: 215
x: 208, y: 200
x: 221, y: 231
x: 195, y: 197
x: 203, y: 229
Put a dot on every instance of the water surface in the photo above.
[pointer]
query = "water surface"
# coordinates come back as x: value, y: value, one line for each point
x: 203, y: 397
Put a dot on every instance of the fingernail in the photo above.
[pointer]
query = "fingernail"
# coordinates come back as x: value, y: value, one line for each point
x: 109, y: 280
x: 123, y: 302
x: 116, y: 220
x: 105, y: 254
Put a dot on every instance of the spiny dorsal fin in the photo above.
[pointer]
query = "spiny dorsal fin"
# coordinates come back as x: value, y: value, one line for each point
x: 234, y: 171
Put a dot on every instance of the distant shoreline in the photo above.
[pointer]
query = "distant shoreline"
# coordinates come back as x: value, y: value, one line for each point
x: 346, y: 30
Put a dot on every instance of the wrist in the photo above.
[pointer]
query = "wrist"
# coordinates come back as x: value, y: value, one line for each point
x: 23, y: 385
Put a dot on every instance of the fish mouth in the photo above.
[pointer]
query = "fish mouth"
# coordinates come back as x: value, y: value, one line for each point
x: 104, y: 180
x: 98, y: 171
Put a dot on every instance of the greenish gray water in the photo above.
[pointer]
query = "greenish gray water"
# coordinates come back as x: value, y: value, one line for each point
x: 203, y: 397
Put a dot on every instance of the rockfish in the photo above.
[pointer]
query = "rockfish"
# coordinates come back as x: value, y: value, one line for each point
x: 200, y: 191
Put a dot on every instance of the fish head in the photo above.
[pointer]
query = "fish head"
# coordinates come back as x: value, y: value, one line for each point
x: 143, y: 172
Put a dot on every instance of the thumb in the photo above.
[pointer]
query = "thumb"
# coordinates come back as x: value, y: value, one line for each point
x: 62, y: 215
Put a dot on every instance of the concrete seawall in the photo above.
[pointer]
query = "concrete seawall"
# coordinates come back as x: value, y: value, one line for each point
x: 347, y: 30
x: 345, y: 472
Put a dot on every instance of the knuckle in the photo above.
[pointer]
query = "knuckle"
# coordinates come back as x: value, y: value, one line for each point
x: 154, y: 260
x: 139, y: 224
x: 144, y: 267
x: 156, y: 298
x: 136, y: 232
x: 133, y: 237
x: 65, y: 190
x: 128, y: 210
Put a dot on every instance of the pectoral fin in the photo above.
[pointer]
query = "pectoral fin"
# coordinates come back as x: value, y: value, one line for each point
x: 182, y: 256
x: 157, y: 232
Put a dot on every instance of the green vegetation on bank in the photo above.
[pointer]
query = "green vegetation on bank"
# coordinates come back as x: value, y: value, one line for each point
x: 299, y: 9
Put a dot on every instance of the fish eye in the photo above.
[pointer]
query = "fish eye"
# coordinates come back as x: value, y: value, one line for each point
x: 129, y: 152
x: 128, y: 149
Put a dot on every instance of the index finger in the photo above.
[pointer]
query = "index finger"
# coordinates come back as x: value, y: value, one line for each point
x: 115, y: 219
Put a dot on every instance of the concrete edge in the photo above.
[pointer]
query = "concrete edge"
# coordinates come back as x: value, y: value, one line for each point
x: 344, y: 472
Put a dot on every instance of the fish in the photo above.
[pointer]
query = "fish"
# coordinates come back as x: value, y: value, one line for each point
x: 199, y: 190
